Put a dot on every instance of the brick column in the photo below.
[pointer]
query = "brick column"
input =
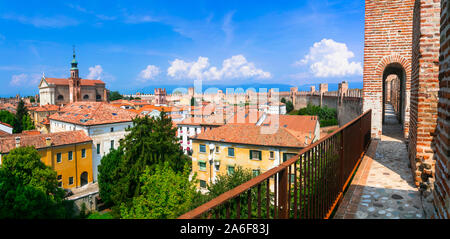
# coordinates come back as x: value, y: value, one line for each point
x: 424, y: 91
x: 441, y: 192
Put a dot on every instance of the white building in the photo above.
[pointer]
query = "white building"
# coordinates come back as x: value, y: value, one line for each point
x: 104, y: 123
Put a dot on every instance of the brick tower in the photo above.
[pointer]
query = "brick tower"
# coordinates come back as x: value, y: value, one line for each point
x: 387, y: 50
x: 74, y: 81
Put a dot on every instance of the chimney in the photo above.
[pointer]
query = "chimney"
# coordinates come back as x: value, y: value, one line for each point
x: 17, y: 142
x: 48, y: 141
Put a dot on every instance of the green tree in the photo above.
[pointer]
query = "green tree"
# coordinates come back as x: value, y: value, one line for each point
x: 114, y: 95
x: 165, y: 194
x: 21, y: 113
x: 7, y: 117
x: 289, y: 106
x: 29, y: 188
x: 27, y: 123
x: 108, y: 175
x: 283, y: 100
x: 327, y: 116
x: 193, y: 101
x: 151, y: 141
x: 226, y: 182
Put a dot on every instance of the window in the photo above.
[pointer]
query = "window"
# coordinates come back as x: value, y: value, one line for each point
x: 60, y: 97
x: 98, y: 148
x: 98, y: 97
x: 202, y: 148
x: 112, y: 129
x: 255, y: 155
x: 271, y: 155
x: 202, y: 183
x: 230, y: 169
x: 287, y: 156
x: 217, y: 149
x: 112, y: 144
x: 70, y: 155
x: 70, y: 180
x: 231, y: 152
x: 60, y: 184
x: 202, y: 165
x: 85, y: 97
x: 256, y: 172
x: 58, y: 157
x: 83, y: 153
x: 59, y: 177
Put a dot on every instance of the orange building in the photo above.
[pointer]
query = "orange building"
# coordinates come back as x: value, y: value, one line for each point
x: 68, y: 153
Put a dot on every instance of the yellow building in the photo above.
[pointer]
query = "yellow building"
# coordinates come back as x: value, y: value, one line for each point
x: 220, y: 150
x: 68, y: 153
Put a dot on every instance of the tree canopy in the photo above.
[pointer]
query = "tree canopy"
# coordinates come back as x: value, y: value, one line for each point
x: 165, y: 194
x: 114, y: 95
x: 150, y: 142
x: 29, y: 188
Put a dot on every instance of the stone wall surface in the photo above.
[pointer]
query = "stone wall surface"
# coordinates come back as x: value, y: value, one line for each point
x: 424, y: 93
x: 441, y: 191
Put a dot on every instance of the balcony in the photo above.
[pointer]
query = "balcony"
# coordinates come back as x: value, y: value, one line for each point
x: 308, y: 185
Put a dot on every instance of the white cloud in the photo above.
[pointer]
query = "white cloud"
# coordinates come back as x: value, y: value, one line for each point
x: 328, y: 58
x: 148, y: 73
x: 227, y: 27
x: 95, y: 72
x: 236, y: 67
x: 43, y: 22
x: 25, y: 80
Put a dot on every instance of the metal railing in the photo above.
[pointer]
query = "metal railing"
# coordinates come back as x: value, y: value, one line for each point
x: 308, y: 185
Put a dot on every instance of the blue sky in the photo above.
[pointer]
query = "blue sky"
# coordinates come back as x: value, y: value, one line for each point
x: 133, y: 45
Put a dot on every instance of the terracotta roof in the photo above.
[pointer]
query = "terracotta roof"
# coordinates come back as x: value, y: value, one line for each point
x: 212, y: 120
x: 252, y: 135
x: 39, y: 141
x: 299, y: 123
x: 292, y: 131
x: 92, y: 113
x: 31, y: 132
x: 44, y: 108
x: 65, y: 81
x: 3, y: 133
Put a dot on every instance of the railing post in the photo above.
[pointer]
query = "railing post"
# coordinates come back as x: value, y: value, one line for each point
x: 282, y: 195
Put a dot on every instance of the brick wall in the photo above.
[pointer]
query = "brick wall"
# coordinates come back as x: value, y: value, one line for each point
x: 424, y: 90
x: 387, y: 41
x: 441, y: 190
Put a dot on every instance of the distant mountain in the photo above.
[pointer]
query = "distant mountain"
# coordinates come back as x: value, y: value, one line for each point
x: 281, y: 87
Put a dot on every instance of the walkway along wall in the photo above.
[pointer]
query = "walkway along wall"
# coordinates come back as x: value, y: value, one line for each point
x: 387, y: 50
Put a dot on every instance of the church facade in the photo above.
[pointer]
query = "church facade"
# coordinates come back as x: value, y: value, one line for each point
x: 61, y: 91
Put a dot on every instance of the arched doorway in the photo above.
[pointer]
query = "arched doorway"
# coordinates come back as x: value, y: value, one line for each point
x: 84, y: 178
x: 394, y: 95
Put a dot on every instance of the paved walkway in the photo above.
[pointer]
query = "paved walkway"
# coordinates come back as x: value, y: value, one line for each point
x: 383, y: 186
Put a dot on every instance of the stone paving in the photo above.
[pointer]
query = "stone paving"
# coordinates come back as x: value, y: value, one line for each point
x: 388, y: 191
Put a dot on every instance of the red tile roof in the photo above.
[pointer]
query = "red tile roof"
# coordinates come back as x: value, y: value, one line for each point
x: 65, y: 81
x: 92, y: 113
x: 44, y: 108
x: 251, y: 135
x: 39, y: 141
x: 291, y: 131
